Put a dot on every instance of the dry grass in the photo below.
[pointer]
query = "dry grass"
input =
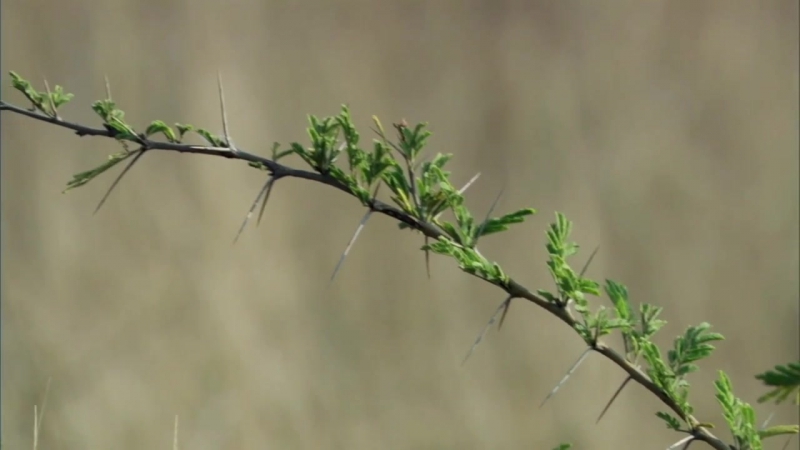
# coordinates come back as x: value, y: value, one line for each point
x: 667, y: 131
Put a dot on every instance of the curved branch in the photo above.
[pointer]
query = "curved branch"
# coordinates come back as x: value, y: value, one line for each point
x: 513, y: 288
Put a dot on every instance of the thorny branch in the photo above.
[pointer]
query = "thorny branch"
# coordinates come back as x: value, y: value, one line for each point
x: 513, y: 289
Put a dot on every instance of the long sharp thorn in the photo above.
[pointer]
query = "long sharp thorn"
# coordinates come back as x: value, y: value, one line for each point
x: 225, y: 129
x: 464, y: 188
x: 412, y: 181
x: 589, y: 261
x: 427, y: 259
x: 488, y: 325
x: 118, y: 179
x: 108, y: 88
x: 503, y: 317
x: 787, y: 443
x: 427, y: 252
x: 175, y: 434
x: 375, y: 192
x: 613, y: 397
x: 469, y: 183
x: 766, y: 422
x: 350, y: 244
x: 488, y: 215
x: 270, y: 183
x: 40, y: 417
x: 35, y: 428
x: 253, y: 208
x: 50, y: 100
x: 685, y: 442
x: 566, y: 377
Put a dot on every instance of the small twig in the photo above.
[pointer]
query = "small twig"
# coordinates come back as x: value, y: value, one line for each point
x: 566, y: 377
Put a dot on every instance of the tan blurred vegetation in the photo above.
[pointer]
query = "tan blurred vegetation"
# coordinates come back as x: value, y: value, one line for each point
x: 666, y: 130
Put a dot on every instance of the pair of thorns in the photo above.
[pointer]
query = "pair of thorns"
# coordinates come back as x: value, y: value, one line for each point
x: 144, y: 145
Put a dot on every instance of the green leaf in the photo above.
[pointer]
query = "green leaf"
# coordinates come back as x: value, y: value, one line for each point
x: 498, y: 224
x: 549, y: 296
x: 324, y: 151
x: 395, y: 179
x: 618, y: 294
x: 212, y: 139
x: 60, y: 97
x: 739, y: 416
x: 257, y: 165
x: 692, y: 346
x: 411, y: 141
x: 588, y: 286
x: 648, y: 315
x: 114, y: 119
x: 183, y: 129
x: 105, y: 108
x: 377, y: 163
x: 557, y: 237
x: 785, y: 379
x: 84, y: 177
x: 25, y: 87
x: 470, y: 261
x: 158, y: 126
x: 452, y: 231
x: 672, y: 422
x: 355, y: 156
x: 276, y: 155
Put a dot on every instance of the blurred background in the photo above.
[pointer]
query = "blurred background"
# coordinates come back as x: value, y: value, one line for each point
x: 667, y: 131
